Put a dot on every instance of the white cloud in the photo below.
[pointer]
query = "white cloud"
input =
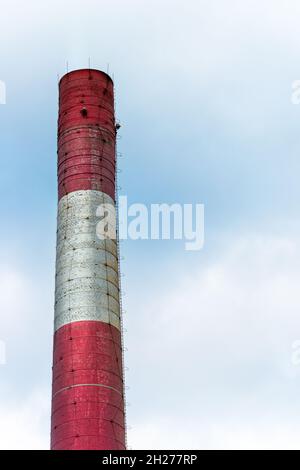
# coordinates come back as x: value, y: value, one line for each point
x: 201, y: 37
x: 211, y: 359
x: 15, y: 296
x: 211, y: 434
x: 25, y: 370
x: 24, y: 423
x: 22, y: 299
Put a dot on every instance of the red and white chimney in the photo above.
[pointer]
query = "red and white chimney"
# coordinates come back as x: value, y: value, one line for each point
x: 88, y: 386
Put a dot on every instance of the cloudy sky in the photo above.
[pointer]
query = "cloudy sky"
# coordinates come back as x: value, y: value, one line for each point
x: 203, y: 92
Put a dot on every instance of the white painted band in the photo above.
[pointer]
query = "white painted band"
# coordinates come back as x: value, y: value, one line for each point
x: 87, y: 283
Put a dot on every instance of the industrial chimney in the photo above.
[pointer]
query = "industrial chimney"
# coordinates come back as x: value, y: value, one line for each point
x: 88, y: 385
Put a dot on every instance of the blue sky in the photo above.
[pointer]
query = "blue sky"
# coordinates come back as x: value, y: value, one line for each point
x: 203, y: 92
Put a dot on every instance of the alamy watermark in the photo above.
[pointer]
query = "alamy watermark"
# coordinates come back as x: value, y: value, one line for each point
x: 2, y: 92
x: 156, y: 222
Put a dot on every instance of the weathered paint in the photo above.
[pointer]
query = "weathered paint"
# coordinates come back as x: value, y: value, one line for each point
x: 88, y: 388
x: 86, y: 133
x: 87, y: 283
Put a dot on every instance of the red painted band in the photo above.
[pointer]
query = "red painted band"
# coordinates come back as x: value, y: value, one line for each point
x: 86, y: 133
x: 87, y: 403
